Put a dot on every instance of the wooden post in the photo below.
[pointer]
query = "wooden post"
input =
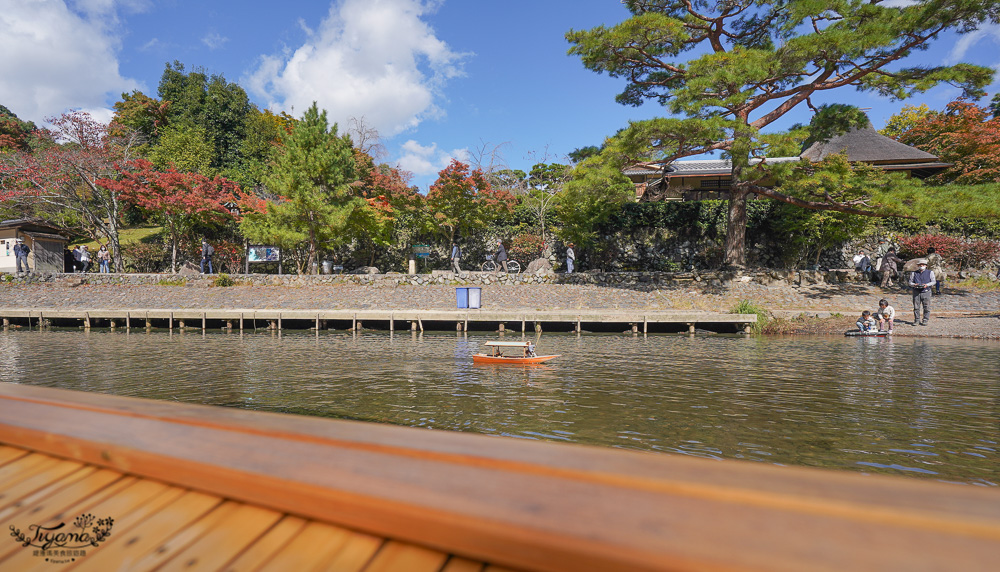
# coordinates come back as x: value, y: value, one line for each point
x: 635, y: 328
x: 522, y: 325
x: 229, y: 325
x: 171, y: 321
x: 538, y: 327
x: 271, y: 325
x: 241, y: 321
x: 279, y: 313
x: 360, y: 325
x: 690, y: 327
x: 645, y: 324
x: 149, y: 324
x: 501, y: 327
x: 317, y: 322
x: 86, y: 321
x: 413, y: 326
x: 421, y: 324
x: 458, y: 326
x: 180, y: 324
x: 112, y: 323
x: 465, y: 328
x: 747, y: 328
x: 354, y: 323
x: 578, y: 328
x: 6, y: 323
x: 128, y: 320
x: 392, y: 323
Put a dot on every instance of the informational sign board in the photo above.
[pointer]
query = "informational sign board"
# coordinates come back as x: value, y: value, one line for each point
x: 422, y: 250
x: 263, y: 254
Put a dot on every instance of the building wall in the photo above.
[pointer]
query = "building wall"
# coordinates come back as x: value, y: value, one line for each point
x: 46, y: 255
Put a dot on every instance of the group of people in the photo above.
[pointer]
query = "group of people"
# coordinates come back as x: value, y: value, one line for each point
x: 888, y: 267
x: 501, y: 257
x: 79, y: 259
x: 920, y: 283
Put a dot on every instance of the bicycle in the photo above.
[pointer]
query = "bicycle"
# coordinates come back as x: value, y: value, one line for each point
x: 513, y: 266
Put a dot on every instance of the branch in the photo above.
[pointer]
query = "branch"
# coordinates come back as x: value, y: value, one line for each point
x: 817, y: 206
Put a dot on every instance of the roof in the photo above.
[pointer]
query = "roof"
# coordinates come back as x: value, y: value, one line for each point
x: 31, y: 226
x: 710, y: 167
x: 866, y: 144
x: 508, y: 344
x: 643, y: 169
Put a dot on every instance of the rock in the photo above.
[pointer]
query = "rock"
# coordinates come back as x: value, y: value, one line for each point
x: 189, y: 269
x: 366, y: 270
x: 540, y: 267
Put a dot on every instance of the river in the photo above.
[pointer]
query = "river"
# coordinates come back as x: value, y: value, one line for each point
x: 923, y: 408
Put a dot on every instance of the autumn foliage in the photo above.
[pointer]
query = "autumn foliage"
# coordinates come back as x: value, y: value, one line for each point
x: 956, y: 252
x: 964, y: 134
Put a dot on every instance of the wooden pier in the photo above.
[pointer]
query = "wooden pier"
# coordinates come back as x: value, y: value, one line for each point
x: 465, y: 320
x: 193, y: 487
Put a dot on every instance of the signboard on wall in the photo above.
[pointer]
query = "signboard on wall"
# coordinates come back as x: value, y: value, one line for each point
x: 422, y: 250
x: 263, y: 254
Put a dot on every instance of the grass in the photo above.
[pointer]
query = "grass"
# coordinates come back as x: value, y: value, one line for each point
x: 172, y: 282
x: 223, y: 281
x: 979, y: 283
x: 125, y: 236
x: 748, y: 307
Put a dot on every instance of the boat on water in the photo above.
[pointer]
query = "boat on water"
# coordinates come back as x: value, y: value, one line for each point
x: 521, y: 353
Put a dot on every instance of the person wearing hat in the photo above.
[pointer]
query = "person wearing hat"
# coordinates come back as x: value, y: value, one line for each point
x: 570, y: 258
x: 922, y: 281
x: 21, y: 252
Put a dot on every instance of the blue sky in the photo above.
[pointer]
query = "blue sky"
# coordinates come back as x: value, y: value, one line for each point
x: 437, y: 78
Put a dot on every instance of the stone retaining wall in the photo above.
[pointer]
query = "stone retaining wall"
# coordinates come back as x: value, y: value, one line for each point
x: 718, y: 279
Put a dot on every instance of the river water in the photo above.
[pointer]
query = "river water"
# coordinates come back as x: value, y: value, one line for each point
x: 925, y: 408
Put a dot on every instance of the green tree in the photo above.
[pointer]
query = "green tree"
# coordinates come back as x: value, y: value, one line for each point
x: 596, y: 191
x: 544, y: 183
x: 730, y: 69
x: 312, y: 174
x: 907, y: 118
x: 184, y: 147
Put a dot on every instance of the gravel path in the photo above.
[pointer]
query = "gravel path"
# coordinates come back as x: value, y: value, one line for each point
x: 957, y: 312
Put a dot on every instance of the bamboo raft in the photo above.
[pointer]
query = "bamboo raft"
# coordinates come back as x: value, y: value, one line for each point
x: 207, y: 488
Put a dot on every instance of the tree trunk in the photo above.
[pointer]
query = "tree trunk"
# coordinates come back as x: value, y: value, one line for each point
x: 736, y: 227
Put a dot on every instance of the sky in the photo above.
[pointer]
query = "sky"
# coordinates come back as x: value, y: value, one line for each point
x: 438, y: 79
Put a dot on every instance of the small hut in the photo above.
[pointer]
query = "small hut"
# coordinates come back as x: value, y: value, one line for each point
x: 46, y: 243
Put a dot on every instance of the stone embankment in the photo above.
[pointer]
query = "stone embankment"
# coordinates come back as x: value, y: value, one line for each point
x: 823, y: 301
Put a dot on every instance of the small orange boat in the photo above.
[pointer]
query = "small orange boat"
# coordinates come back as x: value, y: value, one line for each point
x: 526, y: 355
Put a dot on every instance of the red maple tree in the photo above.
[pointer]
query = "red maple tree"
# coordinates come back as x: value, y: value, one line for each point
x: 179, y: 200
x: 964, y: 134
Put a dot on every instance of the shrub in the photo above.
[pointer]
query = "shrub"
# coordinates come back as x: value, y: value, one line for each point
x: 223, y: 281
x: 527, y: 247
x: 957, y: 253
x: 748, y: 307
x: 144, y: 257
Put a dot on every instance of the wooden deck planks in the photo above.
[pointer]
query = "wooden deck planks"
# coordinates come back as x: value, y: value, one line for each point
x: 402, y: 556
x: 260, y: 553
x: 217, y: 542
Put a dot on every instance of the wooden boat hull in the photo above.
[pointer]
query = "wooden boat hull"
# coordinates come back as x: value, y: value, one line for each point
x: 483, y: 358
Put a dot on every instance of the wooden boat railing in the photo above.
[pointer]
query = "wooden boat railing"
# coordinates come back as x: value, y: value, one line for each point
x: 510, y: 502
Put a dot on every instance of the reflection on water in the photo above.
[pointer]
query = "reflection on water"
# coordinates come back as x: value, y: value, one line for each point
x: 922, y: 408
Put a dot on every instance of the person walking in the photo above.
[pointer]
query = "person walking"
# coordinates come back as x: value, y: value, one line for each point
x: 21, y: 252
x: 570, y: 258
x: 456, y: 257
x: 889, y: 268
x: 206, y: 255
x: 936, y: 264
x: 502, y: 255
x: 104, y: 259
x: 84, y: 259
x: 922, y: 281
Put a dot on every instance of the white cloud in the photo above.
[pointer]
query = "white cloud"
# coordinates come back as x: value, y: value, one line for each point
x: 371, y: 58
x: 57, y: 58
x: 423, y: 160
x: 989, y: 32
x: 214, y: 40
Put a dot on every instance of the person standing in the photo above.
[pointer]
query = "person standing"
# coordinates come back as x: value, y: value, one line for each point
x: 76, y: 258
x: 456, y: 257
x: 922, y: 281
x: 21, y: 252
x: 889, y: 268
x: 502, y: 255
x: 104, y: 259
x: 936, y: 264
x: 84, y: 259
x: 206, y: 255
x: 570, y: 258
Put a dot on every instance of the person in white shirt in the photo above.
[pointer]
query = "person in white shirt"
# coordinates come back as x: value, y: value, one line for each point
x: 570, y: 258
